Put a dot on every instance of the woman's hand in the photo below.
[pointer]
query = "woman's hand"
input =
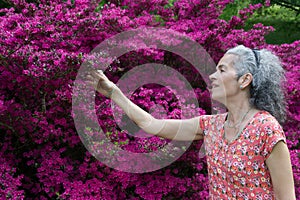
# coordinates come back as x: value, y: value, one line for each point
x: 101, y: 83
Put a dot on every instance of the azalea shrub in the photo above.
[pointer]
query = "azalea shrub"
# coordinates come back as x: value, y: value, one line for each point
x: 44, y: 43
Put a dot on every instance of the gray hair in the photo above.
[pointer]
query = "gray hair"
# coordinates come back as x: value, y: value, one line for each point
x: 266, y: 91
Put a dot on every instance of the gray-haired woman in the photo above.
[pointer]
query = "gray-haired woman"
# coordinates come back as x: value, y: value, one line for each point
x: 246, y: 149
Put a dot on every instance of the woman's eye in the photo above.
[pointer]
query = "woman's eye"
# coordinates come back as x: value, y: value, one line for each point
x: 222, y: 70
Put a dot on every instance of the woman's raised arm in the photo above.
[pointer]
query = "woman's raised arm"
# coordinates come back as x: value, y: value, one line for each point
x: 181, y: 130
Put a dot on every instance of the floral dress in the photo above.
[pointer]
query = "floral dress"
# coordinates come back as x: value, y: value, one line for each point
x: 237, y: 170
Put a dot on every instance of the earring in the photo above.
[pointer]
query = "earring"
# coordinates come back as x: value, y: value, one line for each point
x: 241, y: 87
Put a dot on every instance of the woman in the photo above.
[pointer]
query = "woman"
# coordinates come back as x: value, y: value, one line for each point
x: 246, y: 150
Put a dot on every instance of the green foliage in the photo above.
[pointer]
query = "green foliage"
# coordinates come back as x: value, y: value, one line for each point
x: 232, y: 9
x: 291, y: 4
x: 283, y: 19
x: 4, y: 4
x: 101, y: 5
x: 170, y: 4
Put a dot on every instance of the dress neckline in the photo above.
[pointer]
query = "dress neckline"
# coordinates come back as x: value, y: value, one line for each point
x: 241, y: 131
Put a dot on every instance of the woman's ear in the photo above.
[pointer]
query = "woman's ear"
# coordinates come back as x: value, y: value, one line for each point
x: 245, y: 80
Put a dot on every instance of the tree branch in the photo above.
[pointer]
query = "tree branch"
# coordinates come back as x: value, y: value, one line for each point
x: 288, y: 5
x: 7, y: 126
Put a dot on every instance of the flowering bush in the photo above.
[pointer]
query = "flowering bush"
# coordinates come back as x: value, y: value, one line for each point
x: 42, y: 47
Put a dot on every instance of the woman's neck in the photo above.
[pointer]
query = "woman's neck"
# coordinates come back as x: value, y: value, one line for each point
x: 236, y: 112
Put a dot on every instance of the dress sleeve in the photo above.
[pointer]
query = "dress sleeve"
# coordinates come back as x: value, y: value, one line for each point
x: 204, y: 122
x: 272, y: 133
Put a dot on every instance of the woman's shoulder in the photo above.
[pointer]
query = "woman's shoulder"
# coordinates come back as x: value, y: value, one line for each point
x: 212, y: 120
x: 214, y: 117
x: 264, y: 118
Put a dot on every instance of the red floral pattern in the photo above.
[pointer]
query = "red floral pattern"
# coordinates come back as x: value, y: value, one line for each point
x: 237, y: 170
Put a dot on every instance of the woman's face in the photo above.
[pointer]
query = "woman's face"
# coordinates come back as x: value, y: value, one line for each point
x: 224, y: 81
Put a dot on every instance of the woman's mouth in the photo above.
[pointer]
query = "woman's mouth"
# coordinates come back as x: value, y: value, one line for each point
x: 214, y: 85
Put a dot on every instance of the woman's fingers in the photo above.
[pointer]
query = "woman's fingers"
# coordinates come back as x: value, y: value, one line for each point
x: 95, y: 75
x: 100, y: 82
x: 92, y: 81
x: 99, y: 75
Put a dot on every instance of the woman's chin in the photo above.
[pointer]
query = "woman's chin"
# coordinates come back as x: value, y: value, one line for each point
x: 214, y: 96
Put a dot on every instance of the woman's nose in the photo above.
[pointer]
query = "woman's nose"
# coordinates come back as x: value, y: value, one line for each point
x: 212, y: 76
